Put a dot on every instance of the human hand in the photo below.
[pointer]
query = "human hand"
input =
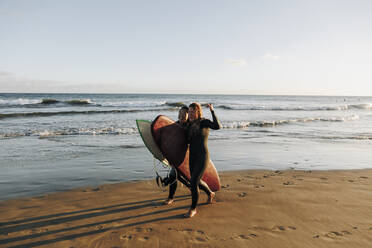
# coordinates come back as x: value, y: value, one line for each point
x: 210, y: 106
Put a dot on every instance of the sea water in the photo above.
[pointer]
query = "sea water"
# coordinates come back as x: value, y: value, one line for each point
x: 55, y: 142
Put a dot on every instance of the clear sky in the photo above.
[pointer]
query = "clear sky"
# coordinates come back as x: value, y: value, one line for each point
x: 202, y: 46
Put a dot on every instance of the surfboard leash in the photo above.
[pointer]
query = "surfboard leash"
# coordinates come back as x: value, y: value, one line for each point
x: 163, y: 181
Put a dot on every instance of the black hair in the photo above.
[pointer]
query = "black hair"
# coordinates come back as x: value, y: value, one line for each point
x: 185, y: 108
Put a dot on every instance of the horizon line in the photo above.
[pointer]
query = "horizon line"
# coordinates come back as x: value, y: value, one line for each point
x: 157, y: 93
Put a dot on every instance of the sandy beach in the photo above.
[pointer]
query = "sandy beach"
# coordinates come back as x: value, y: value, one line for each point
x: 253, y: 209
x: 277, y: 94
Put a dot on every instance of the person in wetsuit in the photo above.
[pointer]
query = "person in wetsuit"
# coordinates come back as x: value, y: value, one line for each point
x: 197, y: 134
x: 173, y: 175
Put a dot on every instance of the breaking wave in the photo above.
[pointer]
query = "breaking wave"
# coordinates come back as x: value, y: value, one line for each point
x: 245, y: 124
x: 44, y: 114
x: 175, y: 104
x: 73, y: 131
x: 356, y: 137
x: 21, y: 102
x: 18, y: 102
x: 71, y: 102
x: 364, y: 106
x: 361, y: 106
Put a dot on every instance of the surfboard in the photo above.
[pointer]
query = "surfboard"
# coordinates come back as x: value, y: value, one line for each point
x: 144, y: 128
x: 172, y: 141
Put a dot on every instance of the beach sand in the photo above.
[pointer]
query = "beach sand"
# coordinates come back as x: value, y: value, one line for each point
x: 253, y: 209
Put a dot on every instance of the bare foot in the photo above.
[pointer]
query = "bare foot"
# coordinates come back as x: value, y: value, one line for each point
x: 191, y: 213
x: 168, y: 201
x: 210, y: 198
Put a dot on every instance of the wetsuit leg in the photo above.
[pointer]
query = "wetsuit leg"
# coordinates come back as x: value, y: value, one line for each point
x: 197, y: 169
x: 173, y: 185
x: 204, y: 186
x: 183, y: 180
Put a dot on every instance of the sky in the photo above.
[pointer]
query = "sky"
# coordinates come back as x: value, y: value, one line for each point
x: 298, y: 47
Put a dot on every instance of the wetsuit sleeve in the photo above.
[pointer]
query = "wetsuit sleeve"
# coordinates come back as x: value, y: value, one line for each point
x: 213, y: 125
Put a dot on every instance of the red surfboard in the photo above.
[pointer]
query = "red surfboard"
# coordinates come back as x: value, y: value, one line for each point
x: 172, y: 141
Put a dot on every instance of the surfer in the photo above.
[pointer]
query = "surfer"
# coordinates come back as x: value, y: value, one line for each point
x: 173, y: 175
x: 197, y: 135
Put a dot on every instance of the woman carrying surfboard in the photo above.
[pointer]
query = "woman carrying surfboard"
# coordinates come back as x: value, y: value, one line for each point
x: 173, y: 175
x: 197, y: 134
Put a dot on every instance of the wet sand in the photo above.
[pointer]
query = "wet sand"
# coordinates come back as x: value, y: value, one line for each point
x: 253, y: 209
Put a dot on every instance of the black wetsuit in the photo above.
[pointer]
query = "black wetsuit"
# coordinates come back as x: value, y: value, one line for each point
x: 197, y: 134
x: 173, y: 175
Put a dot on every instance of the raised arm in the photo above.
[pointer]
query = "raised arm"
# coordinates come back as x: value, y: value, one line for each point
x: 215, y: 124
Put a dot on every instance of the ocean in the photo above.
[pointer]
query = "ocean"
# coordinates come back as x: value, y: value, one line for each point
x: 56, y: 142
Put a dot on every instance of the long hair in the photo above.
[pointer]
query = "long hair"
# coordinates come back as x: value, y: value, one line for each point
x: 198, y: 108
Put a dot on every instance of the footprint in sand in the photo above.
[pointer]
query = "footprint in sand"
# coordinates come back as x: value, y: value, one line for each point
x: 192, y: 231
x: 334, y: 234
x: 351, y: 181
x: 279, y: 228
x: 195, y: 236
x: 243, y: 194
x: 126, y: 237
x: 137, y: 233
x: 143, y: 238
x: 99, y: 227
x: 288, y: 183
x: 244, y: 237
x: 364, y: 177
x: 283, y: 228
x: 225, y: 186
x: 199, y: 239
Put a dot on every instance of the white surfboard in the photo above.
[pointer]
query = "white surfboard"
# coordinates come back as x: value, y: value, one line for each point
x: 144, y: 128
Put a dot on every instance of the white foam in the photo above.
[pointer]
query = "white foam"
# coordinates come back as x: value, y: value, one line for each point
x: 87, y: 131
x: 19, y: 101
x: 268, y: 123
x: 237, y: 124
x: 132, y: 104
x: 364, y: 106
x: 361, y: 106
